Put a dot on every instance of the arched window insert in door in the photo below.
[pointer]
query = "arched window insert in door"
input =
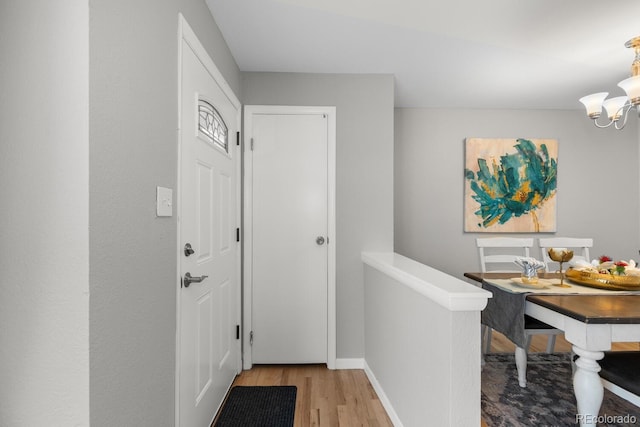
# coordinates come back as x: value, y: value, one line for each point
x: 211, y: 126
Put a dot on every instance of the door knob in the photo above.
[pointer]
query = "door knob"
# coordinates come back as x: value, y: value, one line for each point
x: 188, y: 250
x: 189, y: 279
x: 320, y: 240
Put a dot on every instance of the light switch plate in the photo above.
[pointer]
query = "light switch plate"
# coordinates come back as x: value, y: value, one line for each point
x: 164, y: 201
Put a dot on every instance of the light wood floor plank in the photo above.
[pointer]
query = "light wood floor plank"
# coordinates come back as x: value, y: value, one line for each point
x: 346, y: 398
x: 325, y: 398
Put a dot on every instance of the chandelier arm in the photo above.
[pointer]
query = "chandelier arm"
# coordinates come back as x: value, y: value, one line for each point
x: 626, y: 115
x: 598, y: 125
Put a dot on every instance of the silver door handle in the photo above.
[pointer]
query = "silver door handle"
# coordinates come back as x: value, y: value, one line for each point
x: 320, y: 240
x: 189, y: 279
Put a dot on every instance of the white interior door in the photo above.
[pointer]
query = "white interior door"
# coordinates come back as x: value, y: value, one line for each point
x: 290, y: 218
x: 209, y: 355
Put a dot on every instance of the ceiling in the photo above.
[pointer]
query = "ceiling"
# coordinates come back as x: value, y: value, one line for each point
x: 522, y: 54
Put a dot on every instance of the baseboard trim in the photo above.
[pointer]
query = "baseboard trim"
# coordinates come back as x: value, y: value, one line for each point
x: 349, y: 364
x: 382, y: 396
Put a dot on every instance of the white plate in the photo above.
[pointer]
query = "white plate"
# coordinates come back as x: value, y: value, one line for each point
x: 542, y: 283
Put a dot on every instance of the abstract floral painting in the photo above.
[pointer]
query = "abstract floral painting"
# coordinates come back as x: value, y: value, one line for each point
x: 510, y: 185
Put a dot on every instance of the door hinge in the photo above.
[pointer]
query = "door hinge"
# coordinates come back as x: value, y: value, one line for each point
x: 237, y: 332
x: 251, y: 338
x: 238, y: 138
x: 237, y: 234
x: 251, y: 144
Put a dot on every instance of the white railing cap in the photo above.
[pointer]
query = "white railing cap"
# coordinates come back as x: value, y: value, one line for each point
x: 446, y: 290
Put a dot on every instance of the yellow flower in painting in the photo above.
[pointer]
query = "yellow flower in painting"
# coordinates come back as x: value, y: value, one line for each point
x: 520, y: 196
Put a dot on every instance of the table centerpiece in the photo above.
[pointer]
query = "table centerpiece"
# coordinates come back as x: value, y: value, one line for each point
x: 561, y: 255
x: 604, y: 273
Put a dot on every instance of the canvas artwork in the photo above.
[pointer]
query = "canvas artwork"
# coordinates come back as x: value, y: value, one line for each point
x: 510, y: 185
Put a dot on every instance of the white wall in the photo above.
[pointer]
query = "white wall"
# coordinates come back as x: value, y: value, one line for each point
x: 598, y: 181
x: 364, y: 181
x: 133, y: 134
x: 44, y: 234
x: 422, y: 333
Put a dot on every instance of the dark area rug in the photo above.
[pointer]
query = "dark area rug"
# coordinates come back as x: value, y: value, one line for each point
x: 259, y: 406
x: 548, y: 399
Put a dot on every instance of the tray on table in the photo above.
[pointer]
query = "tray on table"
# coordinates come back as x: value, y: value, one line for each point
x: 604, y: 281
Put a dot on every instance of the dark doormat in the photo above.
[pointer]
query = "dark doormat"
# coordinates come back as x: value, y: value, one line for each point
x: 259, y: 406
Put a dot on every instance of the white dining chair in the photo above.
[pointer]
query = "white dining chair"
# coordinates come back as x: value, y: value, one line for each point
x: 497, y: 255
x: 580, y: 247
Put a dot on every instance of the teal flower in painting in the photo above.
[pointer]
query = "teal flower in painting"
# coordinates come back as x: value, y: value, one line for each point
x: 517, y: 186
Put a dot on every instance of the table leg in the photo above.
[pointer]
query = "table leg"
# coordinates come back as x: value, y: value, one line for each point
x: 521, y: 366
x: 587, y: 386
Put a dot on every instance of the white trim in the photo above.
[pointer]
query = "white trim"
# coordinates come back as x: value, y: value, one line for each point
x: 393, y: 416
x: 186, y: 34
x: 249, y: 111
x: 247, y: 241
x: 349, y: 364
x: 181, y: 34
x: 331, y: 233
x: 448, y: 291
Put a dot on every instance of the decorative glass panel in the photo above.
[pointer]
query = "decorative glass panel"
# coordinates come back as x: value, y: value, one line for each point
x: 211, y: 125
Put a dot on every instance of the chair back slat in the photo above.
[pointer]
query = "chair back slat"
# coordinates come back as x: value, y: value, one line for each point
x: 497, y: 254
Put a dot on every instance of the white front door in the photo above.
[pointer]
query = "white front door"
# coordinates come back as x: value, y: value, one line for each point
x: 290, y: 236
x: 209, y: 356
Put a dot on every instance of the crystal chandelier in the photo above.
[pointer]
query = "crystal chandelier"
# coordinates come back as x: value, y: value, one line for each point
x: 618, y: 107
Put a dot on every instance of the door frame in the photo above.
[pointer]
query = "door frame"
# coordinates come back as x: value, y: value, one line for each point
x: 186, y: 34
x: 249, y: 111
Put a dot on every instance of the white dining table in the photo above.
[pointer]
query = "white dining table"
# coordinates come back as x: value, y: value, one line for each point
x: 591, y: 320
x: 591, y: 323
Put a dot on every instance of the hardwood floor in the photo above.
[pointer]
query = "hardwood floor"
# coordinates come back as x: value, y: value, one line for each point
x: 345, y: 398
x: 325, y: 398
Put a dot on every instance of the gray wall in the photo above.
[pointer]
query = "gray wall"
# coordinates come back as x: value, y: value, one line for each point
x: 364, y: 181
x: 133, y: 149
x: 430, y: 375
x: 598, y: 182
x: 44, y: 234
